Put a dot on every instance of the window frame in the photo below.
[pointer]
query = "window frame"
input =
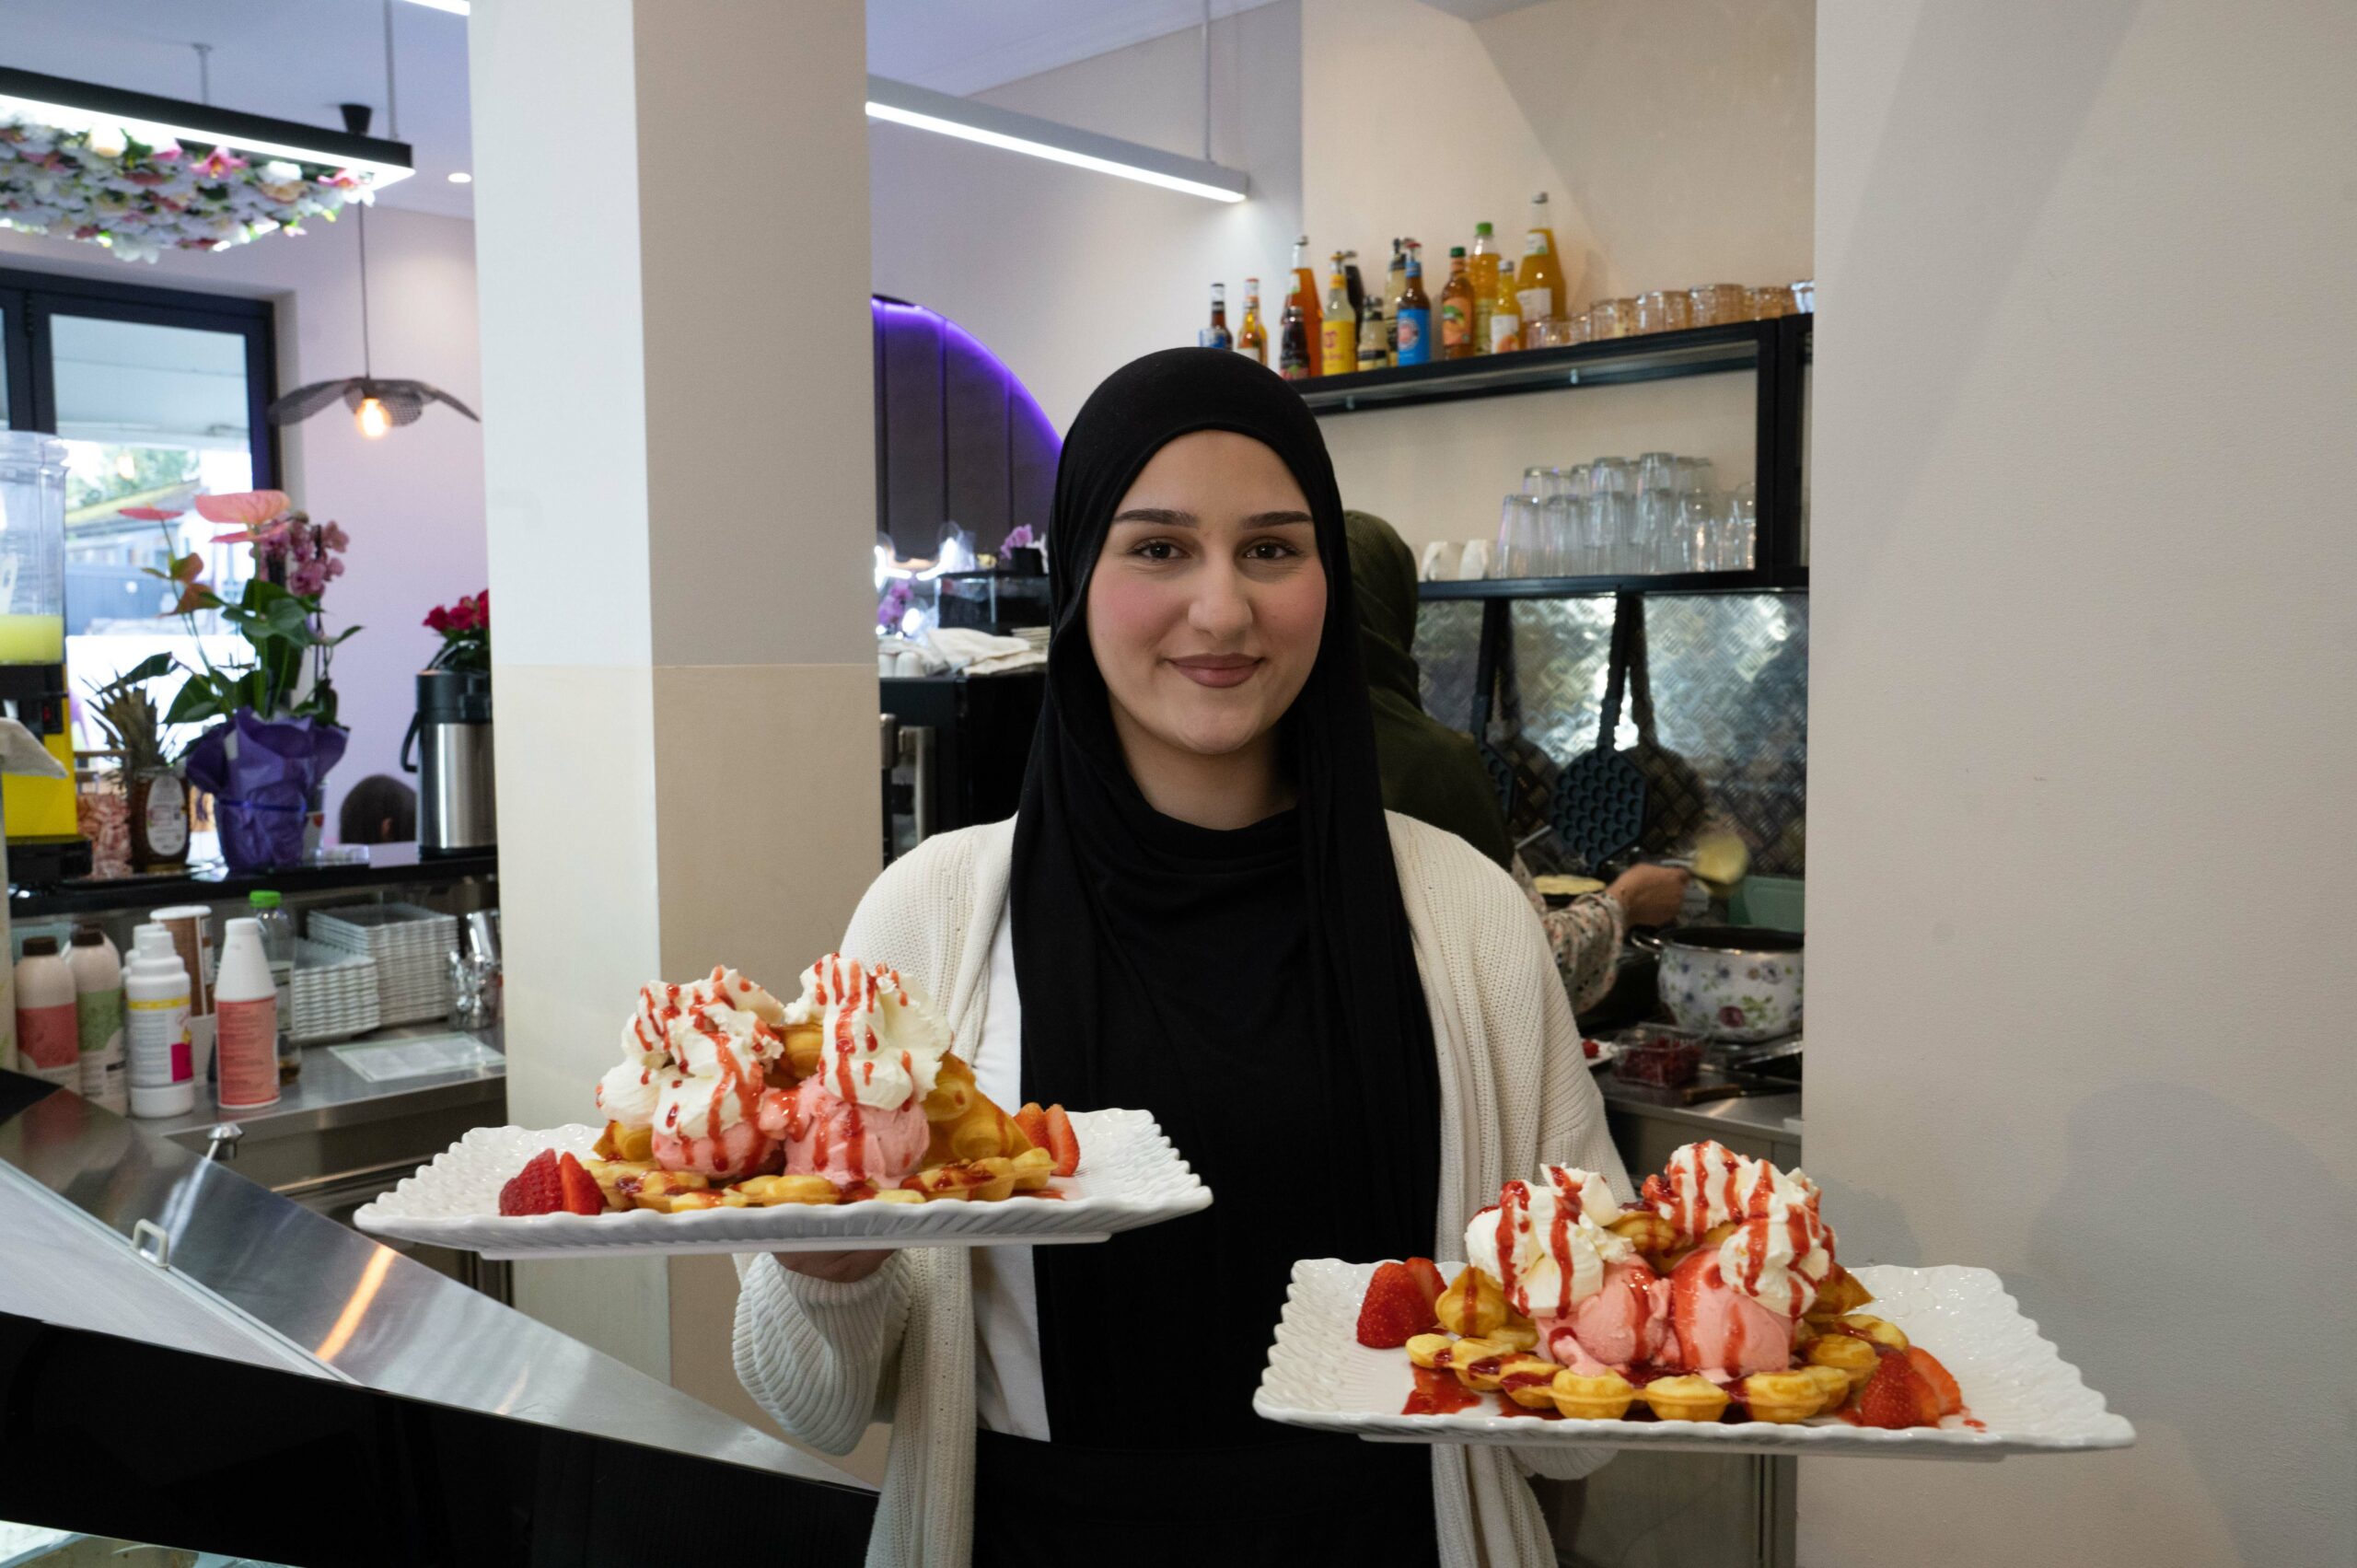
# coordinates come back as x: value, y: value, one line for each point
x: 29, y: 299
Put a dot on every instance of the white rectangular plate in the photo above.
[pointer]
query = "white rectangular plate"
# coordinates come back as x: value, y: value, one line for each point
x: 2017, y: 1384
x: 1128, y: 1177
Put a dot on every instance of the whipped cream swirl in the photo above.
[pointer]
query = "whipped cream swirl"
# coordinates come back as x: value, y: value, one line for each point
x: 1782, y: 1249
x: 880, y: 1045
x: 1546, y: 1242
x: 694, y: 1056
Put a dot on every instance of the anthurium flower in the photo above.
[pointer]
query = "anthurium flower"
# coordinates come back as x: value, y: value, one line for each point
x: 251, y: 507
x: 148, y: 514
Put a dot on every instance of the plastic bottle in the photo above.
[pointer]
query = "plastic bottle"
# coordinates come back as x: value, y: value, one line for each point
x: 97, y: 1013
x: 1456, y: 309
x: 155, y: 995
x: 1339, y: 351
x: 278, y: 946
x: 49, y: 1039
x: 1506, y: 312
x: 245, y: 1009
x: 1542, y: 268
x: 1481, y: 263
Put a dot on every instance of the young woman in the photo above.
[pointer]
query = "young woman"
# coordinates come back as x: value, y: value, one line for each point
x: 1350, y: 1025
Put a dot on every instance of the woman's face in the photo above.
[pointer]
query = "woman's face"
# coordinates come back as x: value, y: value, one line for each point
x: 1207, y: 608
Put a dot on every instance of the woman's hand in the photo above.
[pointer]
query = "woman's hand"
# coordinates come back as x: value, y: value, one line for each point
x: 836, y: 1268
x: 1649, y: 895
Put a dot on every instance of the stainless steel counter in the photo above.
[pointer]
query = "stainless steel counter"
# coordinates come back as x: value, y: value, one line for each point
x: 1648, y: 1126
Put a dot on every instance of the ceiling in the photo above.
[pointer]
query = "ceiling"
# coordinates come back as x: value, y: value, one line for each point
x: 298, y: 59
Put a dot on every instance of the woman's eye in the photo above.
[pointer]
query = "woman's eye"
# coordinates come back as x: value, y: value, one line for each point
x: 1269, y: 550
x: 1157, y: 550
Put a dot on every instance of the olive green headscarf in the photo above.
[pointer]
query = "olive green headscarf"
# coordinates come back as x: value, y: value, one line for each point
x: 1430, y: 772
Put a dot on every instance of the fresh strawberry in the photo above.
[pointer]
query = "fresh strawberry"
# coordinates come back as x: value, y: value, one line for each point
x: 1395, y: 1309
x: 1034, y: 1124
x: 1943, y: 1382
x: 534, y: 1189
x: 1426, y: 1275
x: 578, y: 1188
x: 1896, y: 1396
x: 1061, y: 1141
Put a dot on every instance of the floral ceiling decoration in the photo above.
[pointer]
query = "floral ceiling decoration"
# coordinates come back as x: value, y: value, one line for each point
x: 140, y: 175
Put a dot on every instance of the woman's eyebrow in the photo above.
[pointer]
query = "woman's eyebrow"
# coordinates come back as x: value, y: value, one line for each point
x: 1277, y: 519
x: 1159, y: 516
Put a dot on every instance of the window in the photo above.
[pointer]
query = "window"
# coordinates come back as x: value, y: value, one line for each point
x: 158, y: 396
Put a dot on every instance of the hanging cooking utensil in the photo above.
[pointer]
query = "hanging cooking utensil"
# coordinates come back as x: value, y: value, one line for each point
x: 1677, y: 800
x: 1522, y: 774
x: 1601, y: 795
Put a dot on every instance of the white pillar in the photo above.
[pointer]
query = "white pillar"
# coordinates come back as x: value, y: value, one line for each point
x: 672, y: 248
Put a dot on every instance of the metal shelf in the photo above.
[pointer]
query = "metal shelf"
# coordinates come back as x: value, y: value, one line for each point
x: 1774, y: 580
x: 388, y: 866
x: 1698, y: 350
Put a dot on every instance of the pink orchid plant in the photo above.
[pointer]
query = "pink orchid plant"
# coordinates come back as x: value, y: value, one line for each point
x: 277, y: 612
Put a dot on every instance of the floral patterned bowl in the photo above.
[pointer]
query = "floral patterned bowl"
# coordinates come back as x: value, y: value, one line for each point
x: 1731, y: 982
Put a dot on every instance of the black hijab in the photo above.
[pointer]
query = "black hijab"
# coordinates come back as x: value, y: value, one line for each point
x: 1256, y: 990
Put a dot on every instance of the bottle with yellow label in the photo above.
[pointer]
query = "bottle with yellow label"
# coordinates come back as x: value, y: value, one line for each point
x: 1504, y: 316
x: 1482, y: 263
x: 1338, y: 348
x: 1541, y: 285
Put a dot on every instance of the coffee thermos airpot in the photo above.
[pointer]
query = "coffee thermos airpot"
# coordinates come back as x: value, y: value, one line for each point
x: 456, y: 802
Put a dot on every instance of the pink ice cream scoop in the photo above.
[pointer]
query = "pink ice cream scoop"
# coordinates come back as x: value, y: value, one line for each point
x: 1623, y: 1323
x: 737, y: 1151
x: 1713, y: 1328
x: 842, y: 1140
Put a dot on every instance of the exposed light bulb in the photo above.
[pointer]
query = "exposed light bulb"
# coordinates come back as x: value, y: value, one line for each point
x: 372, y: 419
x: 124, y: 467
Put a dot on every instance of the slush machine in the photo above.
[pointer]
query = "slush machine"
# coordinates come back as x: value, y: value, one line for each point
x: 44, y: 843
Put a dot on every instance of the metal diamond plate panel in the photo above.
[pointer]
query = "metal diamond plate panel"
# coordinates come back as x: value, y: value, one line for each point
x: 1730, y: 688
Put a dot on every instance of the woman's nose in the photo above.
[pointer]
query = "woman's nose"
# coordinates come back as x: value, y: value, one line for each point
x: 1221, y: 607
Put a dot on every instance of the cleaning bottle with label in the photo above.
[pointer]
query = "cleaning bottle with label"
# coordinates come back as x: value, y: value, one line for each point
x: 245, y: 1006
x: 162, y: 1063
x: 98, y: 1014
x: 49, y: 1031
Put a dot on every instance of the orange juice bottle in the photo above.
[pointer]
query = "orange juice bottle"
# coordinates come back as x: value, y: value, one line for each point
x: 1483, y: 264
x: 1540, y: 286
x: 1305, y: 294
x: 1339, y: 330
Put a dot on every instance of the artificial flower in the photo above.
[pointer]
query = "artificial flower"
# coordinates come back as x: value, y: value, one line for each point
x: 248, y: 506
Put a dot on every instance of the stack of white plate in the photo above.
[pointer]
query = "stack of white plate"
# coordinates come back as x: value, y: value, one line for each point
x: 333, y: 995
x: 412, y: 947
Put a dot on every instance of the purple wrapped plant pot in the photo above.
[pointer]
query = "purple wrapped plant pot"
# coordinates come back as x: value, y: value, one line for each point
x: 260, y: 774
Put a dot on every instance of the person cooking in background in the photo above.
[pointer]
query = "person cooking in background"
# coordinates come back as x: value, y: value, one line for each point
x: 1435, y: 773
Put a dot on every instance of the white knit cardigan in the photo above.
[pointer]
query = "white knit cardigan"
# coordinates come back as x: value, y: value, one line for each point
x: 825, y: 1358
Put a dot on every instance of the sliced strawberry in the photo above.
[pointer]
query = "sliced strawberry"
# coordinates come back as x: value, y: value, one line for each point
x: 1426, y: 1275
x: 534, y: 1189
x: 1896, y: 1396
x: 1942, y: 1381
x: 577, y: 1189
x: 1395, y: 1311
x: 1062, y: 1142
x: 1034, y: 1123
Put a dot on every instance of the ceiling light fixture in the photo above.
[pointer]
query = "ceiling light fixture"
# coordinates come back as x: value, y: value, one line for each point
x: 456, y: 7
x: 461, y: 177
x: 160, y: 121
x: 900, y: 103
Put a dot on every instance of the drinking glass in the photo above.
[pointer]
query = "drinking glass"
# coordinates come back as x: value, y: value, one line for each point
x: 1533, y: 478
x: 1771, y: 302
x: 1561, y: 549
x: 1518, y: 538
x: 1694, y: 542
x: 1715, y: 304
x: 1611, y: 318
x: 1695, y: 474
x: 1575, y: 328
x: 1664, y: 310
x: 1735, y: 532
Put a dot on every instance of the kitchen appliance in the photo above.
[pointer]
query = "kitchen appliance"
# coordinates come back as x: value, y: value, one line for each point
x: 45, y: 845
x: 457, y: 803
x: 1730, y: 982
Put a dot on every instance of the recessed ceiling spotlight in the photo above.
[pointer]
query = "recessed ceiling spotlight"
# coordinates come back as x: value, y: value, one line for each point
x: 461, y: 177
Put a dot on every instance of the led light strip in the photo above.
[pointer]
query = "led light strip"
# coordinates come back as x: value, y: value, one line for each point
x: 162, y: 133
x: 899, y: 103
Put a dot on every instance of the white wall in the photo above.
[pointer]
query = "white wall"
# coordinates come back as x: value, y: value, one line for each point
x: 413, y: 502
x: 2082, y: 748
x: 1674, y: 139
x: 1066, y: 274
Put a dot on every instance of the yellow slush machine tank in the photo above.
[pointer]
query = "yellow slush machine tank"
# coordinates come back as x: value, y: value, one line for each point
x: 45, y: 843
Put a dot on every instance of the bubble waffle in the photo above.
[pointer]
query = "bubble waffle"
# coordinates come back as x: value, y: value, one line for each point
x: 1714, y: 1297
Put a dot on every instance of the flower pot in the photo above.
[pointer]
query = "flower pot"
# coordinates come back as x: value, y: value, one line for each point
x: 260, y: 774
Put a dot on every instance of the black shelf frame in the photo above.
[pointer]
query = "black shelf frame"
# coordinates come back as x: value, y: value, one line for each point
x: 1768, y: 580
x: 392, y: 865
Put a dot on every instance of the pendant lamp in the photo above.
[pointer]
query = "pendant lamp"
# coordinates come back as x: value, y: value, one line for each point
x: 377, y: 405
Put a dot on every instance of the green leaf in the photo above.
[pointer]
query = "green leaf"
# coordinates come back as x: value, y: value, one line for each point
x: 146, y: 669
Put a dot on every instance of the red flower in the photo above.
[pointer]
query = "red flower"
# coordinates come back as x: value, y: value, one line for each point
x: 438, y: 619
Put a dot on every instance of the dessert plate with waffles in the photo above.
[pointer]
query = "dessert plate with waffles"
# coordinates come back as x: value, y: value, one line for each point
x: 1710, y: 1314
x: 842, y: 1121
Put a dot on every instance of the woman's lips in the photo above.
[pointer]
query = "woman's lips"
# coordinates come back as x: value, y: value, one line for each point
x: 1216, y: 669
